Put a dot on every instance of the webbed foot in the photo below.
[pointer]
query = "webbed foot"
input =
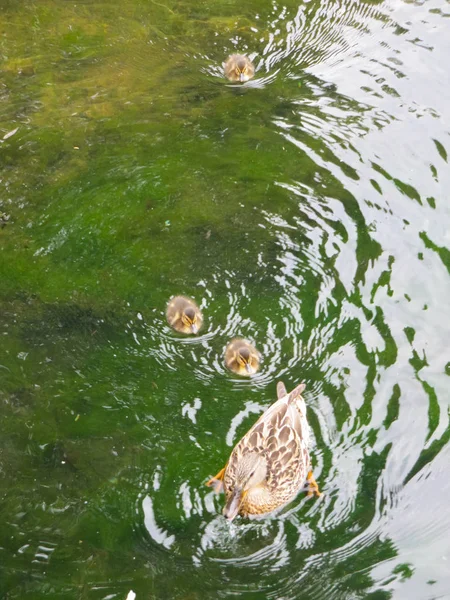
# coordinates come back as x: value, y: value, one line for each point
x: 312, y: 487
x: 216, y: 482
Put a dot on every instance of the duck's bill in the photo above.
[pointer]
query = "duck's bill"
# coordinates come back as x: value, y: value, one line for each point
x: 248, y: 368
x: 242, y: 78
x: 232, y: 506
x: 194, y: 328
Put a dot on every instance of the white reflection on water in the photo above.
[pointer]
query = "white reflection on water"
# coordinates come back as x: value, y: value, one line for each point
x: 156, y: 533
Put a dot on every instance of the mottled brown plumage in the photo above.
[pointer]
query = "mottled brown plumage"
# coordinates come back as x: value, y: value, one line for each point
x: 184, y: 315
x: 270, y: 464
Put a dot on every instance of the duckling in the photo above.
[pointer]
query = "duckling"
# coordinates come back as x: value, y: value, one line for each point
x: 239, y: 68
x: 270, y: 464
x: 241, y: 357
x: 184, y: 315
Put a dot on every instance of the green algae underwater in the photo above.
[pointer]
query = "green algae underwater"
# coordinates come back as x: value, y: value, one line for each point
x: 305, y: 210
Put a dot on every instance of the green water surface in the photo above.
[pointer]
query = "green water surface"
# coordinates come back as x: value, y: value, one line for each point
x: 306, y: 210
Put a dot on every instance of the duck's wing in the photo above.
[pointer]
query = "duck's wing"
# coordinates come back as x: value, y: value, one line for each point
x: 287, y: 445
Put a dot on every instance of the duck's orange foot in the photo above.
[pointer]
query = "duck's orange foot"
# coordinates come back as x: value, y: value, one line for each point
x: 312, y: 487
x: 217, y: 482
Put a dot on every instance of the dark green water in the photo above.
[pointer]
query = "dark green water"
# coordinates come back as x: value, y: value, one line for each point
x: 307, y: 210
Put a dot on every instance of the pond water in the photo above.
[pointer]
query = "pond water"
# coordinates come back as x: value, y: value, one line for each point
x: 306, y: 210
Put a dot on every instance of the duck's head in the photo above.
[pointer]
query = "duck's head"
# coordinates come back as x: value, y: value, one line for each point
x: 190, y: 319
x: 251, y: 471
x: 246, y: 360
x: 239, y: 68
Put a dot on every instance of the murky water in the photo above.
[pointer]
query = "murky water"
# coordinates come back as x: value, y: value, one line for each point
x: 306, y: 210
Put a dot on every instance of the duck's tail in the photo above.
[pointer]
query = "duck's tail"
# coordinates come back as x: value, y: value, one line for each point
x: 281, y: 390
x: 296, y: 399
x: 296, y: 393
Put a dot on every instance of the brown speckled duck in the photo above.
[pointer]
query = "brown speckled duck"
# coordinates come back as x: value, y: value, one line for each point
x: 184, y: 315
x: 241, y: 357
x: 239, y: 68
x: 271, y: 463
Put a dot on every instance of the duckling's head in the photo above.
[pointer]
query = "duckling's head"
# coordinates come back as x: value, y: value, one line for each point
x: 246, y: 360
x: 239, y: 68
x: 251, y: 471
x: 189, y: 319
